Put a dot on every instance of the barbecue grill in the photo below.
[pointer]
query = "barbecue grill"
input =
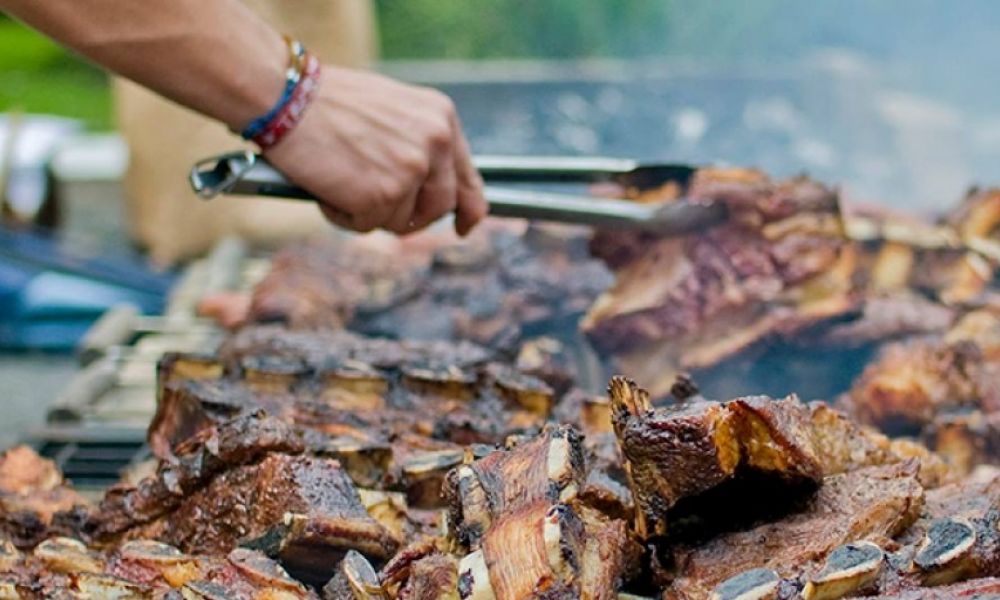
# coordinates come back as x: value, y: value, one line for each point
x: 336, y: 427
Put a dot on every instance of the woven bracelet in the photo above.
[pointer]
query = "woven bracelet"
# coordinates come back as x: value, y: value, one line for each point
x: 291, y: 112
x: 293, y: 74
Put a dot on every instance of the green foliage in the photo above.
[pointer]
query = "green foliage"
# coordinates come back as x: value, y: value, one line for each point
x: 38, y: 76
x: 520, y: 28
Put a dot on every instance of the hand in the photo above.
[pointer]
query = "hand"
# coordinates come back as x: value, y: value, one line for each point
x: 381, y: 154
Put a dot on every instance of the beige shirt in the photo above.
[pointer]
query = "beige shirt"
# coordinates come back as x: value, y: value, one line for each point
x: 165, y: 140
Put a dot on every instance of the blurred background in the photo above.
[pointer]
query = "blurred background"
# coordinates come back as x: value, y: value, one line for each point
x: 892, y: 100
x: 873, y: 94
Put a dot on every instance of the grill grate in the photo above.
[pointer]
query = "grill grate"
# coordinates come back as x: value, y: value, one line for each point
x: 89, y: 462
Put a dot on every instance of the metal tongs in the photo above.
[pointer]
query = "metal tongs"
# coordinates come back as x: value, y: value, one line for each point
x: 246, y: 173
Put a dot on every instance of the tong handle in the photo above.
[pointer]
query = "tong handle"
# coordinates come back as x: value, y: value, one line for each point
x: 246, y: 173
x: 552, y: 168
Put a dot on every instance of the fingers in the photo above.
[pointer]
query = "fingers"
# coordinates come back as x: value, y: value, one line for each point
x: 437, y: 197
x: 339, y: 218
x: 470, y: 206
x: 381, y: 154
x: 401, y: 220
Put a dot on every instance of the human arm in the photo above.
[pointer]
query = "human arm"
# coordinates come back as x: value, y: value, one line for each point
x: 377, y: 153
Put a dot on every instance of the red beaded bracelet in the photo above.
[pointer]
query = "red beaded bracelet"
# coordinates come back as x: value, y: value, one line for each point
x: 291, y: 112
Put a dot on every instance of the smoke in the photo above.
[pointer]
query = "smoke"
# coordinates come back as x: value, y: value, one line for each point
x: 895, y: 100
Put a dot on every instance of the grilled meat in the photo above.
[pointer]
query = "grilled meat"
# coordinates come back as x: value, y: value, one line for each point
x: 488, y: 289
x: 866, y: 504
x: 956, y: 538
x: 966, y: 439
x: 303, y: 511
x: 240, y: 486
x: 242, y: 441
x: 680, y: 454
x: 397, y: 426
x: 64, y: 568
x: 685, y: 463
x: 943, y: 388
x: 422, y: 571
x: 548, y: 468
x: 323, y: 284
x: 32, y: 491
x: 780, y: 263
x: 527, y: 497
x: 319, y: 349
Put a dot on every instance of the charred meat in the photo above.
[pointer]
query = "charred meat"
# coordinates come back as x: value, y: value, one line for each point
x: 245, y: 486
x: 685, y: 463
x: 32, y: 492
x: 780, y: 263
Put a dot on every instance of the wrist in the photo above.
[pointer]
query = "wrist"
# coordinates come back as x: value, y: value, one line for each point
x: 260, y: 83
x: 302, y: 84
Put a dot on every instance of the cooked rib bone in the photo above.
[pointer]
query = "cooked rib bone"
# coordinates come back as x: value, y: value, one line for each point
x: 848, y: 569
x: 355, y: 580
x: 756, y: 584
x: 548, y: 467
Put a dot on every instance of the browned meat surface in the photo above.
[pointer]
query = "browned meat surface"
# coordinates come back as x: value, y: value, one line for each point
x: 396, y: 426
x: 432, y: 578
x: 885, y: 318
x: 303, y: 511
x: 527, y: 497
x: 978, y: 216
x: 955, y: 538
x: 323, y: 284
x: 238, y: 485
x: 976, y: 589
x: 914, y: 382
x: 943, y: 388
x: 63, y: 568
x: 243, y: 441
x: 867, y: 504
x: 966, y: 439
x: 422, y: 571
x: 780, y: 263
x: 32, y: 490
x: 323, y: 348
x: 687, y: 462
x: 547, y: 469
x: 484, y: 289
x: 679, y: 454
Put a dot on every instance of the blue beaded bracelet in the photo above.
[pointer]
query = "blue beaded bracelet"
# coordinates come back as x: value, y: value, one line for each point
x: 292, y: 77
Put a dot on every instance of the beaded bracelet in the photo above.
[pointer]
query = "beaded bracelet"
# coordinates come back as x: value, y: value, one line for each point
x: 301, y: 80
x: 290, y: 113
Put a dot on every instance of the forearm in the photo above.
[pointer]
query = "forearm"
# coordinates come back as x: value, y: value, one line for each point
x: 216, y: 57
x: 377, y: 153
